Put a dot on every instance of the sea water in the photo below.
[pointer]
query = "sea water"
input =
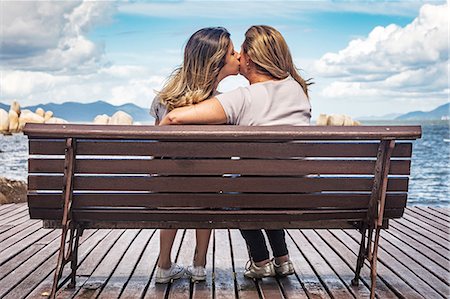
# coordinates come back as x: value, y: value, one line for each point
x: 429, y: 183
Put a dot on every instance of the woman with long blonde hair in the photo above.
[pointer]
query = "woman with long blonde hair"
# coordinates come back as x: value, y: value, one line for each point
x: 209, y: 57
x: 277, y: 95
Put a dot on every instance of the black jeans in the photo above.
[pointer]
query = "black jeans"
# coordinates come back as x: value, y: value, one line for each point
x: 257, y: 244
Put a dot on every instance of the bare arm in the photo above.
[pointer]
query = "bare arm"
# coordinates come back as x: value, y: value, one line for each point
x: 207, y: 112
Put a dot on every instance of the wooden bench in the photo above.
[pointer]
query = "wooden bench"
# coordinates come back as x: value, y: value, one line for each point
x: 94, y: 176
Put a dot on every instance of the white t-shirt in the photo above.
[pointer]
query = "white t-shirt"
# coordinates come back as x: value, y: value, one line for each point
x: 268, y: 103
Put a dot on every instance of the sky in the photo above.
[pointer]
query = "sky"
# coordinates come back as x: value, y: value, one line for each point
x: 366, y: 58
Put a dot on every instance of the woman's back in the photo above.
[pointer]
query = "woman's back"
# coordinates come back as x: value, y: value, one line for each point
x: 274, y: 102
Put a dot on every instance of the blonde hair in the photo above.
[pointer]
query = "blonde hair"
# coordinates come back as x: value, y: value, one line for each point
x: 266, y: 47
x: 195, y: 81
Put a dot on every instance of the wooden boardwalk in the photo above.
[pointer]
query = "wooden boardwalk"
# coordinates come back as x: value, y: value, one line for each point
x: 414, y: 262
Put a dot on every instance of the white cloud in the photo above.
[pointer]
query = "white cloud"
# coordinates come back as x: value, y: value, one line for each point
x: 116, y: 84
x: 50, y: 35
x: 393, y: 61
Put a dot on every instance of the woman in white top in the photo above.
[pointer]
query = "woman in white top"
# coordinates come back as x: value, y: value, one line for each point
x: 277, y: 95
x: 209, y: 57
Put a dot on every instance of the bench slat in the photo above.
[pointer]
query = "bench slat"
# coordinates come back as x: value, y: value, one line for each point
x: 295, y: 201
x: 213, y: 184
x: 217, y: 149
x: 216, y: 167
x: 326, y: 224
x: 231, y: 218
x: 223, y: 132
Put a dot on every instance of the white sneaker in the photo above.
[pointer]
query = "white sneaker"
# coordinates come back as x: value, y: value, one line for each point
x: 165, y: 275
x: 253, y: 271
x: 196, y: 273
x: 284, y: 269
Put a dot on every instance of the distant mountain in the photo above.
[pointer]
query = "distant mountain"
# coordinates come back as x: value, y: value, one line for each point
x: 390, y: 116
x: 79, y: 112
x: 441, y: 112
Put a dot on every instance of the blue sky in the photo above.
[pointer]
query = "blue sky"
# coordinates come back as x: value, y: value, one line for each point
x: 366, y: 58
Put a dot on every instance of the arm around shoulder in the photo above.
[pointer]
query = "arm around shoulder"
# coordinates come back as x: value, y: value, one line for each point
x: 207, y: 112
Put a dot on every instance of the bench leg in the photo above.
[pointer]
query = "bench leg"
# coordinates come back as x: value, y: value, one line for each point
x: 361, y: 256
x: 373, y: 264
x: 67, y: 253
x: 74, y: 258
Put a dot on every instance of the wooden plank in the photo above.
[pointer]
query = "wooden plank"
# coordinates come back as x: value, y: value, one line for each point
x: 434, y: 215
x: 88, y: 241
x: 216, y: 149
x: 223, y: 266
x: 444, y: 212
x: 342, y: 270
x: 221, y: 132
x: 303, y: 269
x: 17, y: 247
x: 327, y: 276
x: 37, y: 274
x: 418, y: 257
x: 423, y: 239
x: 206, y: 289
x: 10, y: 285
x: 24, y: 229
x: 242, y: 200
x: 215, y: 166
x: 142, y: 274
x: 102, y: 273
x: 6, y: 208
x: 126, y: 266
x: 5, y: 227
x: 395, y: 282
x: 20, y: 264
x: 422, y: 281
x: 433, y: 222
x: 214, y: 184
x: 350, y: 258
x: 427, y: 230
x: 246, y: 288
x: 17, y: 226
x: 422, y: 248
x: 91, y: 262
x: 13, y: 215
x: 181, y: 287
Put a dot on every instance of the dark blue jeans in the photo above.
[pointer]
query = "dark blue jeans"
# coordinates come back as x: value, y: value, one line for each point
x: 256, y: 243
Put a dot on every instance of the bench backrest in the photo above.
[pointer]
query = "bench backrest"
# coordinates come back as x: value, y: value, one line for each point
x: 215, y: 176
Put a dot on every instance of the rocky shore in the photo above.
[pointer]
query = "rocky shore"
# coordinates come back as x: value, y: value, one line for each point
x: 12, y: 191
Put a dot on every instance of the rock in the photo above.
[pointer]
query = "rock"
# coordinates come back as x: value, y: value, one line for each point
x: 4, y: 121
x: 102, y: 119
x: 29, y: 117
x: 121, y: 118
x: 15, y: 106
x: 322, y: 120
x: 336, y: 120
x: 48, y: 115
x: 12, y: 191
x: 348, y: 121
x: 13, y: 121
x: 39, y: 111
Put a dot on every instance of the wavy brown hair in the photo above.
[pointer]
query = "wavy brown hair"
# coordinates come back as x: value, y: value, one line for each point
x: 196, y: 80
x: 267, y: 48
